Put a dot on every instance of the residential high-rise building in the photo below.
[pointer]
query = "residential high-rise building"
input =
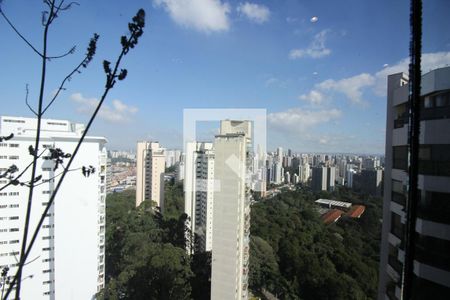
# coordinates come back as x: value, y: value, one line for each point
x: 304, y: 172
x: 431, y: 276
x: 199, y: 194
x: 323, y: 179
x: 319, y: 179
x: 231, y: 228
x: 67, y: 260
x: 331, y: 178
x: 150, y: 167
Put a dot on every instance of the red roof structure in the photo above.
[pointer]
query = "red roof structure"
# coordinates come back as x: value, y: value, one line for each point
x: 356, y: 211
x: 332, y: 216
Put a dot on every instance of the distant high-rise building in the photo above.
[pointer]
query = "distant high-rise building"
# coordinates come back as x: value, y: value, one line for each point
x: 295, y: 179
x: 331, y: 178
x: 67, y: 260
x: 150, y: 167
x: 319, y: 179
x: 199, y: 194
x: 349, y: 174
x: 278, y: 173
x: 280, y: 155
x: 431, y: 274
x: 323, y: 179
x: 231, y: 229
x: 304, y: 173
x: 287, y: 177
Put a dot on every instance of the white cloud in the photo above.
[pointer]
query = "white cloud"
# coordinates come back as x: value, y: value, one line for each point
x: 354, y: 87
x: 314, y: 97
x: 273, y: 81
x: 316, y: 49
x: 254, y: 12
x: 350, y: 87
x: 118, y: 113
x: 299, y: 120
x: 314, y: 19
x: 203, y: 15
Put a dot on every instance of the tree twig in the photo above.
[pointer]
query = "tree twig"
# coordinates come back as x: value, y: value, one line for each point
x: 19, y: 34
x: 83, y: 64
x: 23, y: 172
x: 26, y: 101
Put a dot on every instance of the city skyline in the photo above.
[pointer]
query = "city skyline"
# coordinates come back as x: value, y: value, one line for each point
x: 307, y: 66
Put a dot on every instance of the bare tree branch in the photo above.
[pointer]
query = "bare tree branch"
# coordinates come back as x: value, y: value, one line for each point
x: 71, y: 51
x: 19, y: 34
x: 26, y: 100
x: 21, y: 173
x: 83, y: 64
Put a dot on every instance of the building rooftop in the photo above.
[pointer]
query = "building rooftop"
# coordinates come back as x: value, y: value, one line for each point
x: 335, y: 203
x: 356, y: 211
x: 332, y: 216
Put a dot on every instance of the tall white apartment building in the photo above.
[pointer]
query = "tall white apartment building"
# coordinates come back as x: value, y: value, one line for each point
x: 231, y: 230
x: 199, y: 194
x: 150, y: 167
x: 304, y: 172
x: 432, y: 240
x: 67, y: 259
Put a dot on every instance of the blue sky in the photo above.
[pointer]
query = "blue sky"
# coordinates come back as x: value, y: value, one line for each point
x: 322, y: 80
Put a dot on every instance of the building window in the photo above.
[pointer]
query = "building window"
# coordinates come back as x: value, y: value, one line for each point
x: 13, y: 157
x: 434, y: 160
x: 13, y: 205
x: 400, y: 157
x: 13, y: 229
x: 14, y: 145
x: 396, y: 225
x: 434, y: 206
x: 433, y: 251
x: 425, y: 289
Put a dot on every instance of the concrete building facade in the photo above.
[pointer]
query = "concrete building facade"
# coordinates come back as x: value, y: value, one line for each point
x: 67, y: 260
x: 231, y: 230
x: 199, y: 194
x: 150, y: 167
x: 431, y: 264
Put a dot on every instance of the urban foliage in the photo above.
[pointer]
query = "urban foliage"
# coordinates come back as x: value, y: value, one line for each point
x: 294, y: 255
x: 145, y: 251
